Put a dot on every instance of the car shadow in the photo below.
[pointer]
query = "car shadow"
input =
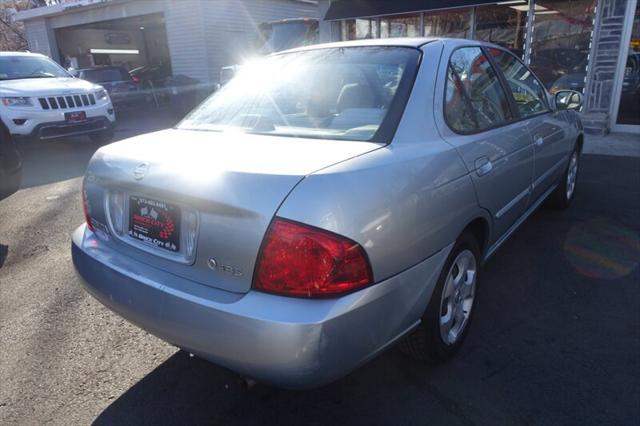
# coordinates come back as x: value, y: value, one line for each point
x: 188, y: 390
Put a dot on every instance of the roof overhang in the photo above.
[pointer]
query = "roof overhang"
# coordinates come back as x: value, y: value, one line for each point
x: 349, y: 9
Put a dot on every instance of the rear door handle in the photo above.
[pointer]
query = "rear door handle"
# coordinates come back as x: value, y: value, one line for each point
x: 483, y: 166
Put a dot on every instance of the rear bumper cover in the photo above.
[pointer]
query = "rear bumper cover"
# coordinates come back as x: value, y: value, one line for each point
x: 287, y: 342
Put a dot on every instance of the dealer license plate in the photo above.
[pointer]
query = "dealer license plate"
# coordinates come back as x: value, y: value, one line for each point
x: 155, y: 222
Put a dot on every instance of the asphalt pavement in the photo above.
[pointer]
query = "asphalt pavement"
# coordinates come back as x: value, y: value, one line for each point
x: 555, y: 338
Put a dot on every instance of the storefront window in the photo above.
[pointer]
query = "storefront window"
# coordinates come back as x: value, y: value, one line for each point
x: 448, y: 24
x: 561, y: 39
x: 358, y: 29
x: 400, y: 26
x: 504, y: 25
x: 629, y: 112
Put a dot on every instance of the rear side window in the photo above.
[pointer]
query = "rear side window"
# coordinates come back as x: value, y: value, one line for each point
x: 474, y: 98
x: 526, y: 89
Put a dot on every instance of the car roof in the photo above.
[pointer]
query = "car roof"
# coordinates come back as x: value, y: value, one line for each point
x: 415, y: 42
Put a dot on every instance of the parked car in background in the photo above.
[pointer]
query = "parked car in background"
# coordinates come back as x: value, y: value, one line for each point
x: 327, y: 203
x: 123, y: 90
x: 183, y: 93
x: 10, y: 163
x: 40, y: 100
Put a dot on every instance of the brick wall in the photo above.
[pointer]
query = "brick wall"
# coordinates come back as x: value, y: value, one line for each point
x: 607, y: 41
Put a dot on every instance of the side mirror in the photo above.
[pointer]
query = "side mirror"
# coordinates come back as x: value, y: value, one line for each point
x: 568, y: 100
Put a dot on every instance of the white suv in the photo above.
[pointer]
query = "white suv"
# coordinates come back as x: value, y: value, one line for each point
x: 40, y: 100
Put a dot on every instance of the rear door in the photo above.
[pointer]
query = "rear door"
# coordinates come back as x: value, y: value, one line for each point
x: 548, y: 128
x: 477, y: 118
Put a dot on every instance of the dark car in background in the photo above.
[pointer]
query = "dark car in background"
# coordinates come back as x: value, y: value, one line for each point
x: 10, y: 164
x: 122, y: 88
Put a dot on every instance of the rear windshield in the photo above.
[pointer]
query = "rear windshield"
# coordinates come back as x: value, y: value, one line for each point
x: 354, y: 93
x: 105, y: 75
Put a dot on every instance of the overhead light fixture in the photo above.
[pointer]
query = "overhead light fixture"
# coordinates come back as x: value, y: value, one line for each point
x: 116, y: 51
x: 525, y: 7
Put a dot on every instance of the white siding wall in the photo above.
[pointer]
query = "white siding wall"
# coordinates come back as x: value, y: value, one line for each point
x: 230, y: 24
x: 185, y: 35
x: 40, y: 37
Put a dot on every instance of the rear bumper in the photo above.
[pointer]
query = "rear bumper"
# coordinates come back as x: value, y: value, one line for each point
x: 288, y: 342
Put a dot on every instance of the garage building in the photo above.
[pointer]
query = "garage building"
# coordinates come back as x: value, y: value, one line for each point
x: 189, y: 37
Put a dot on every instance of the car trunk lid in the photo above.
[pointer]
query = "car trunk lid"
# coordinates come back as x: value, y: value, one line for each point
x: 235, y: 182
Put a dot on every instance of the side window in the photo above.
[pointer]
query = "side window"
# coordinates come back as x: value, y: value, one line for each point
x: 474, y: 98
x: 525, y: 87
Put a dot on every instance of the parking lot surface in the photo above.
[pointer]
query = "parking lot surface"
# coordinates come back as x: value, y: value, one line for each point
x: 555, y: 339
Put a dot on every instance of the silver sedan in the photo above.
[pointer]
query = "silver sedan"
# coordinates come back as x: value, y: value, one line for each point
x: 326, y: 204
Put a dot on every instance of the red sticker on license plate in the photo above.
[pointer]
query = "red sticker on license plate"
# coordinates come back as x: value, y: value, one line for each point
x: 154, y: 222
x: 75, y: 117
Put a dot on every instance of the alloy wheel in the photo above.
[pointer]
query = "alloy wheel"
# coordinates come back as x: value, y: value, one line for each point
x: 458, y: 296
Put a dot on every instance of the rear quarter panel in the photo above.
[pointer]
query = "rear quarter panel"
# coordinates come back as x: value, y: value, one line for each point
x: 401, y: 203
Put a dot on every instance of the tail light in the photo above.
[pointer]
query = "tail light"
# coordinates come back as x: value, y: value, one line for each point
x: 86, y: 207
x: 303, y: 261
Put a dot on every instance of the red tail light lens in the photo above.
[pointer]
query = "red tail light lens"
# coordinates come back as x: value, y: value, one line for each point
x: 86, y: 208
x: 303, y: 261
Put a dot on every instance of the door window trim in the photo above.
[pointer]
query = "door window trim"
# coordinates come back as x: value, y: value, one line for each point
x: 507, y: 88
x: 514, y: 116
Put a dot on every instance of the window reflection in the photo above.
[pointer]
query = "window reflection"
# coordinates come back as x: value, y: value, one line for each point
x: 561, y: 40
x: 448, y: 24
x: 400, y: 26
x: 358, y: 29
x: 504, y: 25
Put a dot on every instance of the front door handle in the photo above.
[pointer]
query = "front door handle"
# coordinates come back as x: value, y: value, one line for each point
x: 539, y: 141
x: 483, y: 166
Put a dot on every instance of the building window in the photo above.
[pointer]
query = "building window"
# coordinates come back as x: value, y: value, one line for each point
x: 560, y: 44
x: 358, y: 29
x: 400, y: 26
x: 629, y: 109
x: 455, y: 23
x: 504, y: 25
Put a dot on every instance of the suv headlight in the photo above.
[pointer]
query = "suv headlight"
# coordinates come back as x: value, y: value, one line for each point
x: 101, y: 94
x: 17, y: 102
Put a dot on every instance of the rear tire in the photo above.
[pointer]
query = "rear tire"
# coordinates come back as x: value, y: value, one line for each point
x: 430, y: 341
x: 565, y: 192
x: 103, y: 137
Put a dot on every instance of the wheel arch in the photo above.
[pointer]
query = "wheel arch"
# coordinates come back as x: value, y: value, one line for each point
x: 580, y: 143
x: 480, y: 228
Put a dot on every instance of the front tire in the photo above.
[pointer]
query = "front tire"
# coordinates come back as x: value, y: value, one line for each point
x: 446, y: 321
x: 564, y: 193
